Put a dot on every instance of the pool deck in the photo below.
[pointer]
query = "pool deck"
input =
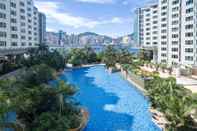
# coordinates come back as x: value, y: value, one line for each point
x: 188, y: 82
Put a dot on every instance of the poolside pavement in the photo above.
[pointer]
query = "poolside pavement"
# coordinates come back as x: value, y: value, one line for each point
x: 189, y: 82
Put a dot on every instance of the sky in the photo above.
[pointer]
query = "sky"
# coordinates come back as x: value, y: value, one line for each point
x: 107, y: 17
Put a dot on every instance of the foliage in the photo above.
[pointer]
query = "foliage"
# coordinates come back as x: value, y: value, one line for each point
x: 124, y: 56
x: 82, y: 56
x: 145, y: 55
x: 43, y: 56
x: 172, y: 99
x: 77, y: 57
x: 38, y: 105
x: 38, y: 74
x: 110, y: 56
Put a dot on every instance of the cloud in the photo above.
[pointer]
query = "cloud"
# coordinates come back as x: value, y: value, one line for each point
x: 125, y: 2
x: 97, y: 1
x: 54, y: 15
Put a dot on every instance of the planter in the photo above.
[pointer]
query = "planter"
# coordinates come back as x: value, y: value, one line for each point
x: 85, y: 117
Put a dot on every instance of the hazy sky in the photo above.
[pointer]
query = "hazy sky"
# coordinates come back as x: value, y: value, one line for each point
x: 109, y: 17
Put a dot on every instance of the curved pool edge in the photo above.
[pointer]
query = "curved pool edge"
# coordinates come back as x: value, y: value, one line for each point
x: 131, y: 86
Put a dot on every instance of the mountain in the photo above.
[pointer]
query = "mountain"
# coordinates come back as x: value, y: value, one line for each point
x: 91, y: 38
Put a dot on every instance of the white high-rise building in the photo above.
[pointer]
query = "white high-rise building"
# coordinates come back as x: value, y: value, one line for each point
x: 175, y: 35
x: 147, y: 25
x: 19, y: 24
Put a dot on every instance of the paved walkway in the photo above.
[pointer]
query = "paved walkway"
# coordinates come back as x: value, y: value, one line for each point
x: 187, y: 82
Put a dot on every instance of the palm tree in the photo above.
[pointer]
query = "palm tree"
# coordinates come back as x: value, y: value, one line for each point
x: 110, y: 56
x: 64, y: 91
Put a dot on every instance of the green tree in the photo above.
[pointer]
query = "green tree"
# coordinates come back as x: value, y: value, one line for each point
x: 110, y: 56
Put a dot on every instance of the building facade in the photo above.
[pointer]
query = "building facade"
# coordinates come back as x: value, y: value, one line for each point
x: 172, y: 30
x: 42, y: 28
x: 147, y: 25
x: 19, y: 24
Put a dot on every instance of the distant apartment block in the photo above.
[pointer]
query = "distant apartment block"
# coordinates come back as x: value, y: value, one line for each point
x: 171, y: 27
x: 19, y: 24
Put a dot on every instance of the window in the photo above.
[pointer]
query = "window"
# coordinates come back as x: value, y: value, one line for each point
x: 175, y: 22
x: 22, y: 17
x: 23, y: 31
x: 163, y: 43
x: 164, y: 7
x: 13, y: 20
x: 175, y: 2
x: 189, y: 10
x: 188, y: 2
x: 163, y: 49
x: 14, y: 36
x: 2, y: 15
x: 23, y: 44
x: 164, y: 1
x: 13, y: 12
x: 175, y: 49
x: 163, y: 25
x: 154, y: 27
x: 14, y: 44
x: 23, y: 37
x: 163, y: 55
x: 154, y: 22
x: 3, y: 34
x: 163, y: 19
x: 2, y: 6
x: 189, y: 50
x: 2, y: 25
x: 154, y: 38
x: 188, y: 58
x: 175, y: 29
x: 147, y: 29
x: 29, y: 38
x: 174, y: 42
x: 12, y: 4
x: 163, y: 13
x: 29, y: 2
x: 175, y: 15
x: 154, y: 12
x: 2, y: 43
x: 14, y: 28
x: 22, y: 3
x: 175, y: 9
x: 23, y: 24
x: 175, y: 35
x: 189, y: 42
x: 190, y: 26
x: 163, y: 37
x: 22, y: 10
x: 174, y: 56
x: 163, y: 31
x: 189, y: 18
x: 190, y: 34
x: 163, y: 61
x: 147, y: 33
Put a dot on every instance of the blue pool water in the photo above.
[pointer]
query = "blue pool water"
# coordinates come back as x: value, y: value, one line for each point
x: 113, y: 103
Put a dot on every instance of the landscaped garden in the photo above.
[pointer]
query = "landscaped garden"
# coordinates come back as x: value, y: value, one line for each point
x: 38, y: 105
x: 41, y: 106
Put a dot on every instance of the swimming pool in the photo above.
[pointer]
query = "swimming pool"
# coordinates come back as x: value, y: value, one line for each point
x: 113, y: 103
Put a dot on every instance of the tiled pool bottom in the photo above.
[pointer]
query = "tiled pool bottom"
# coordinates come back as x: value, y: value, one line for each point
x: 113, y: 103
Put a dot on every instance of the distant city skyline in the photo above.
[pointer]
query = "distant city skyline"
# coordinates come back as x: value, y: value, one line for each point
x: 107, y: 17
